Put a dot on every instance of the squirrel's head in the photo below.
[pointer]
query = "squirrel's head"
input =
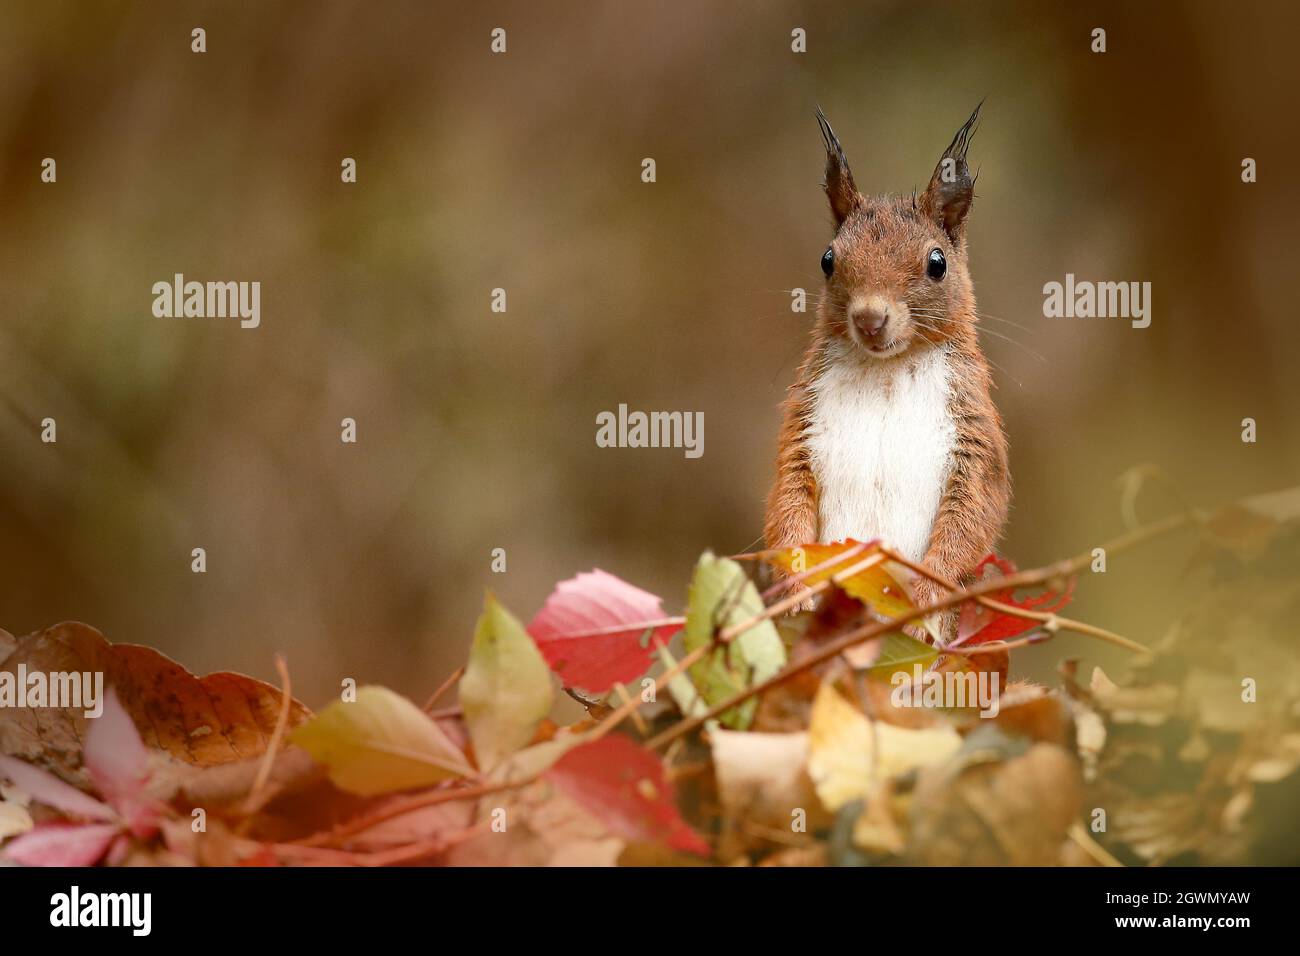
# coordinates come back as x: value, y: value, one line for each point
x: 897, y: 269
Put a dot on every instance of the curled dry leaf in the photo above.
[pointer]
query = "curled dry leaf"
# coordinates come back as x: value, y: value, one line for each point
x: 989, y: 812
x: 202, y: 721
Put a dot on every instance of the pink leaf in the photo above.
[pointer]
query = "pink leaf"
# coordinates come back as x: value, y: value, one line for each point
x: 624, y: 785
x: 118, y: 850
x: 118, y: 763
x: 590, y: 630
x: 50, y: 790
x: 62, y: 844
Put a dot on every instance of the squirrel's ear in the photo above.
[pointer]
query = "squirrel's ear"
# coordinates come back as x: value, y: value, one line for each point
x: 839, y: 179
x: 948, y: 198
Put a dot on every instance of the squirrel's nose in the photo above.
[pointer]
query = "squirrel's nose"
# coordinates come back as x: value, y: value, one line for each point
x: 870, y: 314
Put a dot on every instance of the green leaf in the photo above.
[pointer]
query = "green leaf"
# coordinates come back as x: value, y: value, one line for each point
x: 683, y: 691
x: 899, y: 652
x: 379, y: 743
x: 506, y: 689
x: 722, y: 596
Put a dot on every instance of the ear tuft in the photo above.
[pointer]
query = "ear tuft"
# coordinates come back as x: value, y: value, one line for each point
x: 840, y: 190
x: 947, y: 200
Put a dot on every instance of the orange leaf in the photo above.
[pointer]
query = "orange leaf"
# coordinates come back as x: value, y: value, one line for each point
x: 876, y: 585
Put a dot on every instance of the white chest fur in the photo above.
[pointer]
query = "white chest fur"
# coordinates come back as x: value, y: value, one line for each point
x: 881, y: 438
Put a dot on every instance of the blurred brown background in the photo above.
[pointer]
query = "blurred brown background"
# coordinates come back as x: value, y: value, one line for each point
x: 522, y: 171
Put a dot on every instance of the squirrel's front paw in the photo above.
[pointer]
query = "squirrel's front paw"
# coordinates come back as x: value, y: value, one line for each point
x: 809, y: 602
x: 926, y: 592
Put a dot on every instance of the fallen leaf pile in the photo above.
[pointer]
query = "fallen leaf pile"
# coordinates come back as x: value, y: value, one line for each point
x: 1200, y: 741
x: 784, y: 727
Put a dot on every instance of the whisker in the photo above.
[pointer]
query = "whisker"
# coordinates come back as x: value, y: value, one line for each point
x: 925, y: 313
x: 1000, y: 368
x: 998, y: 318
x: 1020, y: 345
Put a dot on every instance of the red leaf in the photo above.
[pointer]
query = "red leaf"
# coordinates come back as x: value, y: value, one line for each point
x: 118, y: 763
x: 590, y: 631
x: 62, y: 844
x: 624, y: 786
x: 50, y: 790
x: 980, y: 625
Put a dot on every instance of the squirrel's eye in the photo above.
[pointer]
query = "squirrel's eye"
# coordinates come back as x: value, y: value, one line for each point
x: 935, y: 265
x: 828, y: 261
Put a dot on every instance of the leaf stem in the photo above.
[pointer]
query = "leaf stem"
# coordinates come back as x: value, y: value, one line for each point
x: 456, y: 675
x: 252, y: 803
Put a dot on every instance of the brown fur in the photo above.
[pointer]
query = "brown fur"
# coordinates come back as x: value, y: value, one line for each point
x: 880, y: 247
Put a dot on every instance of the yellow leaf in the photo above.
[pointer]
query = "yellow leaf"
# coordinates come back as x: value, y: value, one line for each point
x: 380, y: 743
x: 849, y: 753
x: 877, y: 585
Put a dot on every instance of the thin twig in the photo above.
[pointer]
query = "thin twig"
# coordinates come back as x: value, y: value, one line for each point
x: 641, y: 726
x: 794, y: 600
x: 1090, y: 846
x: 404, y: 853
x: 834, y: 559
x: 456, y: 675
x: 405, y: 805
x: 251, y: 803
x: 1052, y: 621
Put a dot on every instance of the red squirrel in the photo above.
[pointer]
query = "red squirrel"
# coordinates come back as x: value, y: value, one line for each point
x: 890, y: 430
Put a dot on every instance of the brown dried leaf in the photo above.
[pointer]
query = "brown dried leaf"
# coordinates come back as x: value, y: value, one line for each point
x: 204, y: 722
x: 1030, y: 711
x: 1015, y: 812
